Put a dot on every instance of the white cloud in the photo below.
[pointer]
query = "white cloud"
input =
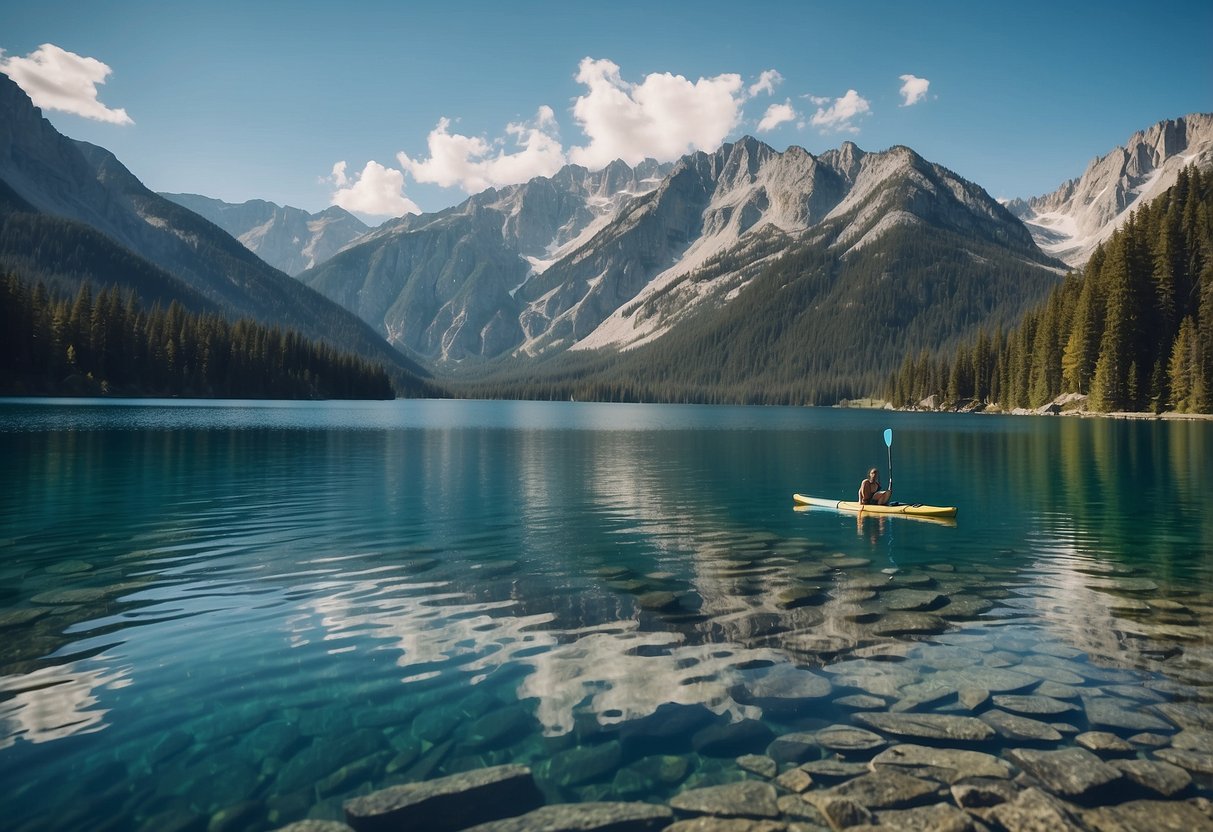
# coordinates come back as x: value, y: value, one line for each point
x: 913, y: 89
x: 664, y: 116
x: 840, y: 116
x: 377, y: 191
x: 56, y: 79
x: 776, y: 115
x: 766, y: 82
x: 475, y: 164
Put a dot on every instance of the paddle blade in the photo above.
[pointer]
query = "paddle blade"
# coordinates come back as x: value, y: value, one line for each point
x: 888, y: 437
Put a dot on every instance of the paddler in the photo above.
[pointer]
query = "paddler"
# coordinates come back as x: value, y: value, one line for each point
x: 870, y: 493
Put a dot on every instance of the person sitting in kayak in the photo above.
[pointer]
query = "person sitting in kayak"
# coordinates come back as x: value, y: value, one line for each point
x: 870, y: 493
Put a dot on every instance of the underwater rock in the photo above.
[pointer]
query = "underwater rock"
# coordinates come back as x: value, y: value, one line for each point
x: 1071, y: 773
x: 885, y: 788
x: 1106, y: 712
x: 861, y: 702
x: 1154, y: 815
x: 1196, y: 762
x: 938, y: 817
x: 585, y: 764
x: 909, y: 623
x: 585, y: 817
x: 929, y: 726
x: 913, y: 600
x: 982, y: 793
x: 747, y: 799
x: 733, y: 739
x: 1032, y: 810
x: 1105, y: 744
x: 500, y: 727
x: 1020, y: 728
x: 447, y: 803
x: 849, y: 740
x: 759, y: 764
x: 944, y: 764
x: 1154, y: 776
x: 1033, y: 705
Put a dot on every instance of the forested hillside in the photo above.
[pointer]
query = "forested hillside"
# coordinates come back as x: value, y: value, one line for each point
x: 1133, y: 331
x: 108, y: 344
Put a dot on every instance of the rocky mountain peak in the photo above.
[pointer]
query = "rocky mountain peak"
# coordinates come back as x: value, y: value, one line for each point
x: 1081, y: 213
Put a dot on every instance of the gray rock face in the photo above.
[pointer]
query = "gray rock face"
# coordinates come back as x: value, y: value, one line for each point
x: 928, y: 726
x: 848, y: 740
x: 938, y: 817
x: 748, y: 799
x: 585, y: 817
x: 726, y: 825
x: 1071, y: 773
x: 448, y: 803
x: 1106, y: 712
x: 1083, y: 212
x: 1105, y: 744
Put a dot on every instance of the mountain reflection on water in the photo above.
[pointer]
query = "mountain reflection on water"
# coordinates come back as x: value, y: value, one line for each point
x: 360, y: 595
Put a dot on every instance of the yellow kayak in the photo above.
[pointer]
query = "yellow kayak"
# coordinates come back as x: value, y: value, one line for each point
x: 908, y: 509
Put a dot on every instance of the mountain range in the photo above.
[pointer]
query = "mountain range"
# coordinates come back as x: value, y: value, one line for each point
x: 71, y: 211
x: 601, y: 265
x: 745, y: 273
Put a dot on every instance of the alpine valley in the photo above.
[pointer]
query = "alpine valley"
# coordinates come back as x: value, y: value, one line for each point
x: 743, y: 274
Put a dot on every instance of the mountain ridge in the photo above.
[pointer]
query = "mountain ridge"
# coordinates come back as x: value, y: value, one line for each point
x: 289, y: 239
x: 78, y: 182
x: 1072, y: 220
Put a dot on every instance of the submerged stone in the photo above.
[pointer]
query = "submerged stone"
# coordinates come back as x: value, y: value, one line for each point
x: 1106, y: 712
x: 585, y: 817
x: 747, y: 799
x: 938, y: 817
x: 944, y: 764
x: 861, y: 702
x: 1105, y: 744
x: 759, y: 764
x: 794, y: 747
x: 1071, y: 773
x: 848, y: 739
x: 1020, y: 728
x: 980, y: 793
x: 913, y: 600
x: 1151, y: 815
x: 585, y: 764
x: 786, y: 686
x: 909, y: 623
x: 832, y: 771
x: 733, y: 739
x: 447, y: 803
x: 18, y: 618
x: 1033, y: 811
x: 929, y: 726
x: 1197, y: 762
x: 1155, y: 776
x: 1034, y: 705
x: 886, y: 789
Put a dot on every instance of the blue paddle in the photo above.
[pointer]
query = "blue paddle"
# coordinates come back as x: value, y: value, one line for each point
x: 888, y: 441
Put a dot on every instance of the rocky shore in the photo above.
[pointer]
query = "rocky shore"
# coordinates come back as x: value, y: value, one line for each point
x: 869, y: 781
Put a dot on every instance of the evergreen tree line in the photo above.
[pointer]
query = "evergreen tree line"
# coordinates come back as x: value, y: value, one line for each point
x: 1133, y: 331
x: 57, y: 344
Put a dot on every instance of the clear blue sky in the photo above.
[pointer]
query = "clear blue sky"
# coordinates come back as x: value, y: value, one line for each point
x: 241, y: 100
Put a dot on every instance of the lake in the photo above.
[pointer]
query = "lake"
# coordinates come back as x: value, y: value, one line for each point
x: 256, y: 610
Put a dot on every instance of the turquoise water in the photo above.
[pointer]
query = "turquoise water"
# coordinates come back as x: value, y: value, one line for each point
x: 262, y: 609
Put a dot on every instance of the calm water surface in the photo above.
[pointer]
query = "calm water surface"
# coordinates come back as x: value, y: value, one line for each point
x: 263, y: 609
